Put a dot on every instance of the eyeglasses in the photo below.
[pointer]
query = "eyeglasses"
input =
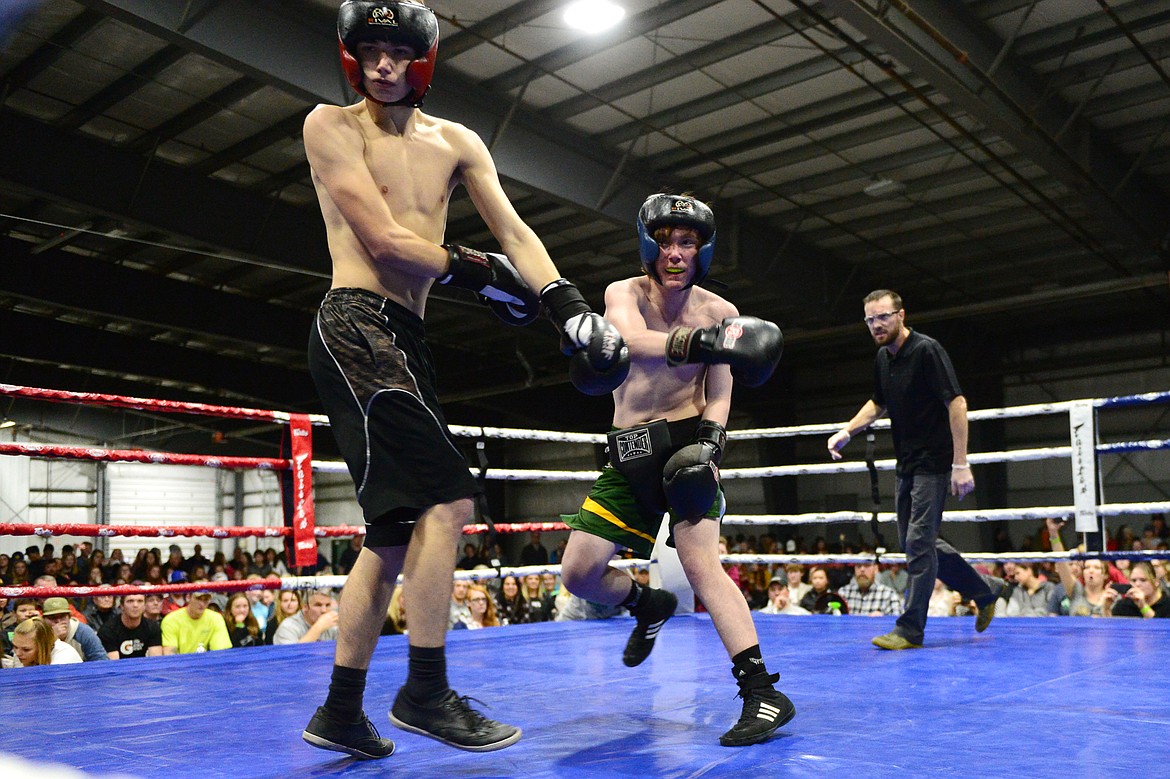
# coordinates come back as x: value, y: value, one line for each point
x: 883, y: 318
x: 478, y: 600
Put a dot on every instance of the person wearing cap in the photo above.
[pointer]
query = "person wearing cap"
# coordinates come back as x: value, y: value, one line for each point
x: 780, y: 599
x: 175, y: 601
x: 49, y: 580
x: 194, y: 628
x: 80, y: 636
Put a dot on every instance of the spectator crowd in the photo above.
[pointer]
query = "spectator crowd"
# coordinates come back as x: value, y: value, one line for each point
x: 60, y: 630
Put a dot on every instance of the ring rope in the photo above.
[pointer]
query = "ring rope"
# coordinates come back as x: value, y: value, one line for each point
x: 97, y: 453
x: 141, y: 456
x: 240, y: 585
x: 549, y: 435
x: 46, y: 530
x: 971, y: 515
x: 973, y: 557
x: 166, y: 531
x: 93, y: 453
x: 270, y: 583
x: 122, y: 401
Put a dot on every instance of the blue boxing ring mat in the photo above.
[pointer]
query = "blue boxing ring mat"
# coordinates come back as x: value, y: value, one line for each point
x: 1060, y: 697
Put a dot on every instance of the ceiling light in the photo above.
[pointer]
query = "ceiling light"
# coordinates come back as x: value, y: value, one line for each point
x: 885, y: 188
x: 593, y: 16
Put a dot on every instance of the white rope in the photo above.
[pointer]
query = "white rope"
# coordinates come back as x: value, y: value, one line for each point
x: 899, y: 558
x: 516, y: 434
x: 312, y: 582
x: 1036, y: 409
x: 522, y: 474
x: 526, y: 570
x: 478, y: 574
x: 975, y: 515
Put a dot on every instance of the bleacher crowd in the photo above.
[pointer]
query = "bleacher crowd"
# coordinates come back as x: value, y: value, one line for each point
x: 60, y: 630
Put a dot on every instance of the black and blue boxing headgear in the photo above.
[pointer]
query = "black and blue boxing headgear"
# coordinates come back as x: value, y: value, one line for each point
x: 677, y: 211
x: 409, y: 24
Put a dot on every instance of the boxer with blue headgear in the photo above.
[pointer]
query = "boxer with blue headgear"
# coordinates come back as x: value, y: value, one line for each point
x: 669, y: 211
x: 688, y: 346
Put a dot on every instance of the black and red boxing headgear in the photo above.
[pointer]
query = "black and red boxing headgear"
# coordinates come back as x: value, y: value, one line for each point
x: 676, y: 211
x: 409, y: 24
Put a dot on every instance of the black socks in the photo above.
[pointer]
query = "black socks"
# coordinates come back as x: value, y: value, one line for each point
x: 631, y: 600
x: 747, y: 663
x: 345, y: 693
x: 426, y: 677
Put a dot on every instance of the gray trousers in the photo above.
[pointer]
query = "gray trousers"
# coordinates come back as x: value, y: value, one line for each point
x: 918, y: 502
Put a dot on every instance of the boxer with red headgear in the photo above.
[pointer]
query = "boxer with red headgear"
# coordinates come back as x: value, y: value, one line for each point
x: 408, y: 24
x: 384, y: 173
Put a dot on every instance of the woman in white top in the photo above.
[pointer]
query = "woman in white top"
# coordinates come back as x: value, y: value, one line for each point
x: 34, y: 643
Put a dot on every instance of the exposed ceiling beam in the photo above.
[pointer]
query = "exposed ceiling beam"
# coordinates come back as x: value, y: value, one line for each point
x: 198, y: 113
x: 712, y: 53
x: 1008, y: 102
x: 123, y: 87
x: 39, y: 339
x: 497, y: 24
x: 295, y: 50
x: 119, y: 184
x: 647, y: 21
x: 86, y: 283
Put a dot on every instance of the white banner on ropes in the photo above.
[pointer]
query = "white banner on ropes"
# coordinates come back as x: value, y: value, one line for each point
x: 1082, y: 426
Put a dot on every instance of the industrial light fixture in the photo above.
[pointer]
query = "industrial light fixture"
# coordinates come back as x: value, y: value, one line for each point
x: 6, y: 423
x: 592, y: 16
x: 885, y: 188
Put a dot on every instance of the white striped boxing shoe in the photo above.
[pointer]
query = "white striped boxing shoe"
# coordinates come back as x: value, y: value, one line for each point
x: 765, y: 710
x: 652, y: 610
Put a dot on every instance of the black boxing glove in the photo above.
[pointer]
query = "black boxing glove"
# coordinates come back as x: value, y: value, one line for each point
x: 690, y: 478
x: 492, y: 277
x: 601, y: 359
x: 751, y: 346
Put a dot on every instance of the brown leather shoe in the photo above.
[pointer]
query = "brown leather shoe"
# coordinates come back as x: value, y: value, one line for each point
x: 984, y: 617
x: 987, y: 612
x: 893, y: 640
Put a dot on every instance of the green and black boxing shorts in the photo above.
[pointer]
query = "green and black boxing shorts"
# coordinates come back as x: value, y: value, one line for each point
x: 626, y: 503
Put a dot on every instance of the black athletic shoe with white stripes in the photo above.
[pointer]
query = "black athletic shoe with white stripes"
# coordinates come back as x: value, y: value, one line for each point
x: 765, y: 710
x: 652, y: 610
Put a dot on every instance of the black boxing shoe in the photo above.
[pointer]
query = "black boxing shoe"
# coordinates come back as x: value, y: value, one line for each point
x: 652, y: 610
x: 765, y: 710
x: 451, y: 720
x: 359, y: 739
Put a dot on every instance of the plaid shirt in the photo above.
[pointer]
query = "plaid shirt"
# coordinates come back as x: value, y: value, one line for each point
x: 880, y: 598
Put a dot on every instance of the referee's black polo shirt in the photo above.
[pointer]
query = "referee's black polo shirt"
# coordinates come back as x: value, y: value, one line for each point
x: 915, y: 386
